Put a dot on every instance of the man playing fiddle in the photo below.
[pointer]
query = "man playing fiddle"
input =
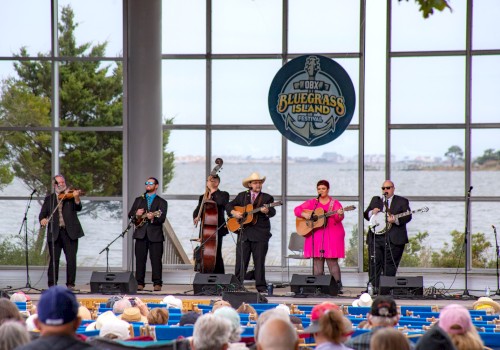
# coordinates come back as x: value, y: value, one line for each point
x: 59, y: 215
x: 221, y: 198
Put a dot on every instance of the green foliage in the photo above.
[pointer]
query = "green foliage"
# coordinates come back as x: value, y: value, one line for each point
x: 12, y: 250
x: 351, y: 254
x: 454, y: 154
x: 416, y: 253
x: 168, y: 157
x: 427, y: 6
x: 490, y: 156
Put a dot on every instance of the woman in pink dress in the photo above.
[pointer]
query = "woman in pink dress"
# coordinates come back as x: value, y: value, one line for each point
x: 328, y: 241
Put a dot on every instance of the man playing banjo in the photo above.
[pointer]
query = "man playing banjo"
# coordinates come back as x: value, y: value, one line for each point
x: 387, y: 235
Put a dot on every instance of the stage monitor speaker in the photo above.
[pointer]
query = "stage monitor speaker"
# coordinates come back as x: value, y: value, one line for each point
x: 237, y: 298
x: 113, y: 283
x: 314, y: 285
x: 401, y: 285
x: 214, y: 284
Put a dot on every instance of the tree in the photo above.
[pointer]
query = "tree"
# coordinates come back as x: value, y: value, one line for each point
x: 427, y: 6
x: 454, y: 153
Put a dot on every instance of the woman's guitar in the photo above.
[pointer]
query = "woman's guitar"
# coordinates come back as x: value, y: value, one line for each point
x: 377, y: 221
x: 141, y: 220
x: 304, y: 226
x: 234, y: 224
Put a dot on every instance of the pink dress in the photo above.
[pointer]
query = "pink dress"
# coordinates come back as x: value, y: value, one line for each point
x: 331, y: 238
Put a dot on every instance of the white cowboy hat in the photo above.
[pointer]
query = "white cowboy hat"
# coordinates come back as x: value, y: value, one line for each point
x: 365, y: 299
x: 253, y: 177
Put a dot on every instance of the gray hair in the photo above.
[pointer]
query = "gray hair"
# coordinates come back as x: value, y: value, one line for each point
x: 12, y: 335
x: 267, y: 315
x: 211, y: 332
x: 121, y: 305
x: 277, y: 334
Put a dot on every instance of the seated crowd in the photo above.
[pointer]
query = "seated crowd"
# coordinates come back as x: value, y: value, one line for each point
x: 59, y: 322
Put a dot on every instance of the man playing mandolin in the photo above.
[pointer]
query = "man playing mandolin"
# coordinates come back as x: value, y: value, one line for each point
x: 253, y: 237
x: 385, y: 250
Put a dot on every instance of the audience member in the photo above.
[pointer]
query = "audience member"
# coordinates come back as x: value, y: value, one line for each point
x: 120, y: 305
x: 277, y: 334
x: 84, y: 313
x: 383, y: 313
x: 9, y: 311
x: 133, y: 314
x: 267, y: 315
x: 57, y: 321
x: 389, y: 338
x: 297, y: 322
x: 115, y: 329
x: 189, y: 318
x: 284, y: 307
x: 13, y: 334
x: 435, y: 339
x: 365, y: 299
x: 232, y: 316
x: 112, y: 300
x: 455, y: 320
x: 245, y: 308
x: 211, y: 333
x: 220, y: 303
x: 158, y: 315
x: 488, y: 304
x: 316, y: 313
x: 18, y: 297
x: 172, y: 302
x: 329, y: 327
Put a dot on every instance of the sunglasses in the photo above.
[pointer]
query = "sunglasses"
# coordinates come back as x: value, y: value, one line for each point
x: 149, y: 183
x: 386, y: 188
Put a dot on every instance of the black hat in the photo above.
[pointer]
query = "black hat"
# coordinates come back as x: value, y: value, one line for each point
x: 384, y: 306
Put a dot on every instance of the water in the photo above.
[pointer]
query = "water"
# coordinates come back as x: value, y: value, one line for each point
x: 443, y: 217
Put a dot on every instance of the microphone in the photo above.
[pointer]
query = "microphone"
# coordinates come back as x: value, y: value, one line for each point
x: 470, y: 189
x: 493, y: 227
x: 317, y: 198
x: 34, y: 191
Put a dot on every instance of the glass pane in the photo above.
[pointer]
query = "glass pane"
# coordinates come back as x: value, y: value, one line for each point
x: 483, y: 252
x: 183, y: 91
x: 242, y: 100
x: 434, y: 87
x: 243, y: 155
x: 97, y: 27
x: 336, y: 162
x: 183, y: 30
x: 485, y: 25
x: 485, y: 78
x: 28, y: 25
x: 431, y: 168
x: 95, y: 161
x: 351, y: 65
x: 444, y: 30
x: 485, y: 148
x: 188, y: 147
x: 335, y: 25
x: 91, y: 93
x: 246, y: 26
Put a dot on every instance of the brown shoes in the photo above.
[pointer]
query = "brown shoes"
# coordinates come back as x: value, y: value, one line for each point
x: 140, y: 287
x: 157, y: 287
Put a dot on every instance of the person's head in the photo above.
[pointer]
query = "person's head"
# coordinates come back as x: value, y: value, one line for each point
x: 232, y: 316
x: 172, y: 302
x: 120, y: 305
x: 389, y: 338
x: 323, y: 188
x: 59, y: 183
x: 316, y: 313
x: 220, y: 303
x: 151, y: 185
x: 132, y: 314
x: 333, y: 327
x: 435, y: 339
x: 213, y: 181
x: 84, y: 313
x: 455, y: 320
x: 383, y: 312
x: 254, y: 182
x: 267, y: 315
x: 57, y: 312
x: 277, y: 334
x: 13, y: 334
x: 158, y: 315
x: 297, y: 322
x: 115, y: 329
x: 18, y: 297
x: 189, y: 318
x: 211, y: 332
x: 9, y: 311
x: 388, y: 188
x: 112, y: 300
x: 247, y: 309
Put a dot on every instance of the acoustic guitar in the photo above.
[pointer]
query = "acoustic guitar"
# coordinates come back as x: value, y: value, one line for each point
x: 141, y: 220
x: 304, y: 226
x: 234, y: 224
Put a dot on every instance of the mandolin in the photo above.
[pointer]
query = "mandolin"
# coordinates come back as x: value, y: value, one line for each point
x: 141, y: 220
x: 234, y: 224
x: 304, y: 226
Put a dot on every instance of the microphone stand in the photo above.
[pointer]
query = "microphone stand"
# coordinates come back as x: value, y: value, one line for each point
x: 466, y: 294
x: 129, y: 225
x: 497, y: 292
x: 312, y: 231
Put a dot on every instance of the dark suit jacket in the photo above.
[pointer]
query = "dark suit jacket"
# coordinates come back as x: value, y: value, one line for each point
x: 69, y: 211
x: 221, y: 198
x: 397, y: 234
x: 261, y: 231
x: 154, y: 230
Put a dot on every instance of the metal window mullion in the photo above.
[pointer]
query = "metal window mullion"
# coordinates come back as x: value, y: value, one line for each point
x: 208, y: 87
x: 388, y: 92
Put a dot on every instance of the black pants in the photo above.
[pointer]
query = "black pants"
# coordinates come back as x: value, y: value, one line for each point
x: 384, y: 258
x: 142, y: 246
x: 259, y: 251
x: 70, y: 248
x: 219, y: 262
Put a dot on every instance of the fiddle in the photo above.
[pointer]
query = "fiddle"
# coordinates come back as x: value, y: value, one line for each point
x: 69, y: 194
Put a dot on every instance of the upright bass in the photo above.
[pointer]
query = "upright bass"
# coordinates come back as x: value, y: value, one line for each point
x: 206, y: 253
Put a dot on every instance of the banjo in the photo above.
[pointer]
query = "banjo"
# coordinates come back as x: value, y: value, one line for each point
x: 377, y: 221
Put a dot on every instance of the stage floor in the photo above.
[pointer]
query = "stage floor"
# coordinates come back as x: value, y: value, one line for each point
x: 439, y: 289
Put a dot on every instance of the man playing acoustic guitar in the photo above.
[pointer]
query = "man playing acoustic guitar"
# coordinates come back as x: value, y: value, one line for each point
x: 253, y: 237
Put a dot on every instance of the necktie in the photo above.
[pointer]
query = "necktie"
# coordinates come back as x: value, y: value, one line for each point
x: 386, y: 203
x: 253, y: 197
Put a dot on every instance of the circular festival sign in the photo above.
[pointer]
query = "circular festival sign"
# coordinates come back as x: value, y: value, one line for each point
x: 311, y: 100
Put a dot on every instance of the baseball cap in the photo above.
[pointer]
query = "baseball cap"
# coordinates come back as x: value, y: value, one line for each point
x: 455, y: 319
x: 316, y: 313
x: 384, y: 306
x: 57, y: 306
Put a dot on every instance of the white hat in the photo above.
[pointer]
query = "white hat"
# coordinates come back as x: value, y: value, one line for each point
x: 253, y: 177
x: 284, y: 308
x: 365, y: 299
x: 172, y: 302
x: 104, y: 318
x: 117, y: 327
x: 30, y: 323
x: 19, y: 297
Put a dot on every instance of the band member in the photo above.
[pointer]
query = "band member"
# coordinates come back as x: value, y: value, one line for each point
x: 328, y: 241
x: 254, y: 238
x: 149, y: 236
x: 221, y: 198
x: 59, y: 215
x: 385, y: 250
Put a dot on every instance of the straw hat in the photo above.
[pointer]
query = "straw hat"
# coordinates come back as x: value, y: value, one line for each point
x: 253, y: 177
x: 485, y: 303
x: 365, y: 299
x: 132, y: 314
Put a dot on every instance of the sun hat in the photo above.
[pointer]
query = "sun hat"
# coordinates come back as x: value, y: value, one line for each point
x: 365, y: 299
x: 455, y: 319
x: 132, y: 314
x: 119, y: 328
x: 316, y: 313
x: 57, y: 306
x: 253, y: 177
x: 283, y: 307
x: 488, y: 304
x: 172, y: 302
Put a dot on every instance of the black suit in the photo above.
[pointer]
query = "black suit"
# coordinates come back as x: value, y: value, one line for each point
x: 389, y: 245
x: 221, y: 198
x: 62, y: 238
x: 149, y: 237
x: 254, y: 240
